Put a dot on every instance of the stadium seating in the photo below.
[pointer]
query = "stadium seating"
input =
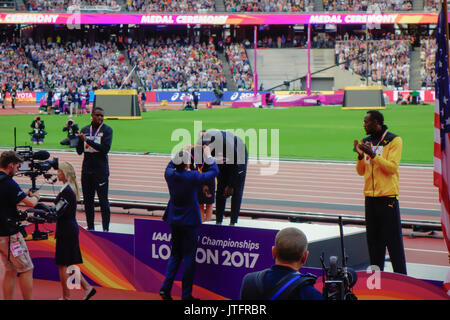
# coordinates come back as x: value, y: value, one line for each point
x: 175, y: 64
x: 76, y: 64
x: 431, y: 5
x: 269, y: 5
x: 170, y: 5
x: 64, y: 5
x: 427, y: 59
x: 370, y: 5
x: 388, y: 60
x: 16, y: 69
x: 239, y: 65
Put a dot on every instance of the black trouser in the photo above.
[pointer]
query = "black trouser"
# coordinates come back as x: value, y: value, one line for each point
x: 91, y: 184
x: 236, y: 197
x: 384, y: 230
x: 70, y: 142
x: 184, y: 249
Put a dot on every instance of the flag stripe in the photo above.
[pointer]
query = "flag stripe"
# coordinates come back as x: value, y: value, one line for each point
x: 441, y: 159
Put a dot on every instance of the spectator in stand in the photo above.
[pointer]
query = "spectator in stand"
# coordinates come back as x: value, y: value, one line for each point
x: 431, y: 5
x: 367, y: 5
x: 14, y: 67
x: 78, y: 64
x: 175, y: 64
x: 269, y: 6
x: 427, y: 59
x: 200, y: 6
x: 240, y: 66
x: 388, y: 59
x: 63, y: 5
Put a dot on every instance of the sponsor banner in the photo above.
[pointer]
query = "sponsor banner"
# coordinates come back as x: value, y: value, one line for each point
x: 425, y: 95
x: 76, y: 18
x: 303, y: 92
x: 150, y: 97
x: 237, y: 95
x: 178, y: 96
x: 206, y: 96
x: 23, y: 96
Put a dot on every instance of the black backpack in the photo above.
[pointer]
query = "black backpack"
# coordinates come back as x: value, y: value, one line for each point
x: 253, y: 286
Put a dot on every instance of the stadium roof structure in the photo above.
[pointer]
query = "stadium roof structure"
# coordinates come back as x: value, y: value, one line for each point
x: 74, y: 18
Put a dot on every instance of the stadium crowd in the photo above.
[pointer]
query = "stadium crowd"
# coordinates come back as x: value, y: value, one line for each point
x: 269, y: 5
x: 77, y: 64
x: 173, y: 63
x: 199, y: 6
x: 367, y: 5
x: 203, y: 6
x: 428, y: 48
x: 63, y: 5
x: 388, y: 59
x: 16, y: 70
x: 239, y: 66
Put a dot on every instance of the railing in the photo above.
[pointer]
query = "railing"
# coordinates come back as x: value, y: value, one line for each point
x: 292, y: 216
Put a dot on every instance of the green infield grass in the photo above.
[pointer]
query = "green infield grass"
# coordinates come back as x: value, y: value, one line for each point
x: 321, y: 133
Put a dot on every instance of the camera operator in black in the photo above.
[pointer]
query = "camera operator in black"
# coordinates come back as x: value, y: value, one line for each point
x: 4, y: 91
x: 232, y: 171
x: 72, y: 134
x: 13, y: 96
x: 50, y: 95
x: 95, y: 141
x: 38, y: 133
x: 13, y: 250
x: 283, y: 281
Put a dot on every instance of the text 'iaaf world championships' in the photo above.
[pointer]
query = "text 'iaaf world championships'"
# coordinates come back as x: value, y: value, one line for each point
x: 256, y: 144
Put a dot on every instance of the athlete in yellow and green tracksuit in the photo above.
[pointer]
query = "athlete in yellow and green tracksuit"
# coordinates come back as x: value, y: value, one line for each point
x: 378, y: 161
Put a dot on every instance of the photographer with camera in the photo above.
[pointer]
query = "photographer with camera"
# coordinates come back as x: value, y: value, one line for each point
x: 13, y: 250
x: 183, y: 216
x: 283, y: 281
x: 38, y: 133
x: 67, y: 244
x: 72, y: 134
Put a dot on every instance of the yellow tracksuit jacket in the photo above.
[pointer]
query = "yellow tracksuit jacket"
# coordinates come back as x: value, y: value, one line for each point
x: 381, y: 172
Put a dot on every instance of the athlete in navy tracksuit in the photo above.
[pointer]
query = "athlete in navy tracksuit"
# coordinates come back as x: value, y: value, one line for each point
x: 95, y: 141
x: 231, y: 155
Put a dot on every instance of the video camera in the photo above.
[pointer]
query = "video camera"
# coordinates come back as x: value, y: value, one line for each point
x: 338, y: 281
x: 35, y: 163
x: 42, y: 213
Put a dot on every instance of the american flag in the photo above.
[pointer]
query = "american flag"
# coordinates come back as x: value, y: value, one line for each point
x: 441, y: 174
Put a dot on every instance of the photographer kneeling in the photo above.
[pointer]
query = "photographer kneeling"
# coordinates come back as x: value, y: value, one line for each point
x: 72, y: 134
x: 38, y: 133
x: 13, y: 249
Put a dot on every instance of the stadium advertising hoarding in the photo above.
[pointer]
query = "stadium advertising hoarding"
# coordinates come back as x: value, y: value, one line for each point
x: 138, y: 261
x: 228, y: 96
x: 75, y: 18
